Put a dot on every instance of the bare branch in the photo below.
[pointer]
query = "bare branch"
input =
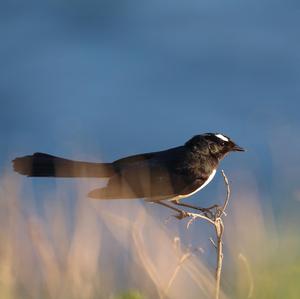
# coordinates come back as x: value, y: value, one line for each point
x: 212, y: 215
x: 227, y: 193
x: 213, y: 242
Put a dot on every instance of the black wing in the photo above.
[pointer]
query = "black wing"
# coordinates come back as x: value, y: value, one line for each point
x: 152, y: 175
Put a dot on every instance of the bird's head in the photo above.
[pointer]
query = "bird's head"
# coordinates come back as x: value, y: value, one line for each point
x: 215, y: 144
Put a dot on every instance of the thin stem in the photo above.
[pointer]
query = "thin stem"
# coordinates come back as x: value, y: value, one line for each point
x: 170, y: 207
x: 219, y: 228
x: 214, y: 216
x: 227, y: 192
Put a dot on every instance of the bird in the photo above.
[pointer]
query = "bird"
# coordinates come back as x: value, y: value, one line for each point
x: 170, y: 174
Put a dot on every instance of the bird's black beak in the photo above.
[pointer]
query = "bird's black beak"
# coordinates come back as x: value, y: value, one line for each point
x: 237, y: 148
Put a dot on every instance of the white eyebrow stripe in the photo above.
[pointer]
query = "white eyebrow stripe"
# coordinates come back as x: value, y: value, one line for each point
x: 222, y: 137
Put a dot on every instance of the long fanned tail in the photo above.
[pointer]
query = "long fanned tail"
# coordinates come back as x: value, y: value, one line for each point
x: 44, y: 165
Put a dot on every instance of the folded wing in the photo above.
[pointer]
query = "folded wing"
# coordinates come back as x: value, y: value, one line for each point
x: 144, y: 176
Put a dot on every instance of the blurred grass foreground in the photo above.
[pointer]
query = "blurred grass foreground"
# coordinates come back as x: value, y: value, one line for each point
x: 122, y: 250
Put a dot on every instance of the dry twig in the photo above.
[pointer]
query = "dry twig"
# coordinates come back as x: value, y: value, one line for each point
x: 212, y: 215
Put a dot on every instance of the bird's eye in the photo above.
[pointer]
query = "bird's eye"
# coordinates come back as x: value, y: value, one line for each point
x: 222, y: 143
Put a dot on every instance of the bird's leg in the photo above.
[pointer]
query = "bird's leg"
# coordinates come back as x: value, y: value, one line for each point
x: 181, y: 214
x: 178, y: 203
x: 213, y: 207
x: 206, y: 211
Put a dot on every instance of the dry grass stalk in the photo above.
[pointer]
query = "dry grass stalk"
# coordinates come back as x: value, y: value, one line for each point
x: 212, y: 215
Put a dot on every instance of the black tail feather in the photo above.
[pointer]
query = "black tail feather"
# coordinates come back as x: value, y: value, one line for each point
x: 44, y: 165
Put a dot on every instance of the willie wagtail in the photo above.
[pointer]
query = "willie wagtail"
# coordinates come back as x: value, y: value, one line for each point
x: 170, y: 174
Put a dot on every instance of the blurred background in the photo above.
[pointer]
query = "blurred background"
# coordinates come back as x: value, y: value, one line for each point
x: 98, y: 80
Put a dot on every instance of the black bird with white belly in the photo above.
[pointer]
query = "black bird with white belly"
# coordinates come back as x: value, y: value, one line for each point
x: 169, y: 174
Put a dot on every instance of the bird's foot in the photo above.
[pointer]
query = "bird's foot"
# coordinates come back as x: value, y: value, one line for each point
x: 212, y: 211
x: 219, y: 211
x: 181, y: 215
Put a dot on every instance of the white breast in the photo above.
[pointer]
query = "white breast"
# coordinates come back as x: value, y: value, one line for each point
x: 209, y: 179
